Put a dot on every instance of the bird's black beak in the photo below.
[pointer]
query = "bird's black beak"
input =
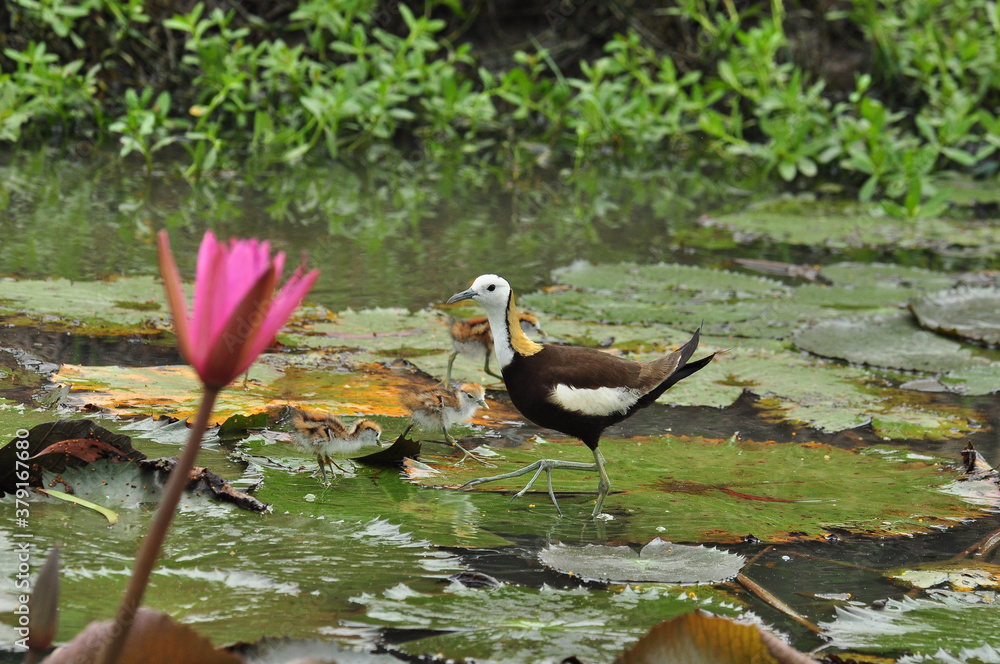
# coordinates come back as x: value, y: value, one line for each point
x: 464, y: 295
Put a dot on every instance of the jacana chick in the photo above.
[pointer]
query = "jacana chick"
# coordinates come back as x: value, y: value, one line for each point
x: 327, y: 436
x: 471, y: 337
x: 439, y: 407
x: 576, y: 391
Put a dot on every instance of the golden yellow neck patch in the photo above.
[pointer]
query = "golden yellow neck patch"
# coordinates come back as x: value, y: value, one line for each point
x: 518, y: 339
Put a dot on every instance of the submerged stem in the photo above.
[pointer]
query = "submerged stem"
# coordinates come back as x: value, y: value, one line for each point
x: 153, y: 542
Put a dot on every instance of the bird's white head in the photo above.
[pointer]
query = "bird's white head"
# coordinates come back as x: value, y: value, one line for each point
x: 490, y: 290
x: 494, y: 293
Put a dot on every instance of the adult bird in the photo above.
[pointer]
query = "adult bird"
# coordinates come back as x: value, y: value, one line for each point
x: 438, y: 407
x: 327, y: 436
x: 472, y: 338
x: 577, y: 391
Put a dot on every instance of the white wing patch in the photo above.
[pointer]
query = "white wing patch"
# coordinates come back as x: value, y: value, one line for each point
x: 598, y: 401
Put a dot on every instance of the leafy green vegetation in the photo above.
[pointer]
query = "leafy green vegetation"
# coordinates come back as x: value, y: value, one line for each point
x: 748, y: 91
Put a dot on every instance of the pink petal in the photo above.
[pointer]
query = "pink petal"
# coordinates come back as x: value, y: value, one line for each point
x: 175, y: 295
x: 284, y: 303
x: 224, y: 360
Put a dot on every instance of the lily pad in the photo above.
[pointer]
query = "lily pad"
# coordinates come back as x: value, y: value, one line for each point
x: 514, y: 624
x: 650, y: 279
x: 938, y: 621
x: 854, y: 229
x: 893, y: 342
x: 968, y: 313
x: 657, y: 562
x: 777, y: 491
x: 678, y: 295
x: 957, y: 575
x: 826, y: 395
x: 866, y: 286
x: 125, y: 305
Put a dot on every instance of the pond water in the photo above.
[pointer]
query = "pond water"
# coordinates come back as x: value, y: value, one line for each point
x: 366, y: 562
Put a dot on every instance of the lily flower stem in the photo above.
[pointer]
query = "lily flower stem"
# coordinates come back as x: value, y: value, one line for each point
x: 153, y: 542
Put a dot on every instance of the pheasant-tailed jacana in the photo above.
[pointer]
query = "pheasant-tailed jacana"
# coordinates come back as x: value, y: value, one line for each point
x: 327, y: 436
x: 577, y: 391
x: 439, y: 407
x: 472, y: 338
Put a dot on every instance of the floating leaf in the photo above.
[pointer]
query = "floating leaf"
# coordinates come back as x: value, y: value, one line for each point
x: 969, y: 313
x: 121, y: 306
x: 867, y: 286
x: 657, y: 562
x: 984, y: 654
x: 851, y: 228
x: 44, y: 436
x: 957, y: 575
x: 826, y: 395
x: 894, y: 342
x: 518, y: 624
x: 775, y: 491
x: 940, y: 620
x: 87, y: 450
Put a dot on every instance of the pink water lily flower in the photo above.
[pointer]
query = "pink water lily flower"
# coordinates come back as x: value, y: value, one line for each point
x: 236, y: 313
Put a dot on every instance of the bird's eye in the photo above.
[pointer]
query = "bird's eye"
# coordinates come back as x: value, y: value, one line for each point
x: 491, y: 287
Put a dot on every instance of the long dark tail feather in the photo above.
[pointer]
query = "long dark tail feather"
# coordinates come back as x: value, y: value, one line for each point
x: 688, y: 349
x: 683, y: 370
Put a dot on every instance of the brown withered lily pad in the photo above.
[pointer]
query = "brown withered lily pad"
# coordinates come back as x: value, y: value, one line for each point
x: 42, y: 451
x: 55, y: 449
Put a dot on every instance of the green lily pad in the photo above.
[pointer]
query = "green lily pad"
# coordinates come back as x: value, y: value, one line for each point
x: 893, y: 342
x: 857, y: 229
x: 514, y: 624
x: 974, y: 380
x: 776, y: 491
x: 939, y: 621
x: 677, y: 295
x: 126, y: 305
x: 984, y: 654
x: 650, y: 279
x: 826, y: 395
x: 968, y: 313
x: 657, y: 562
x: 867, y: 286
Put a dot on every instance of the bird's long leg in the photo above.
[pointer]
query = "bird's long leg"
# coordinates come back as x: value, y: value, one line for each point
x: 547, y: 465
x: 486, y: 367
x: 330, y: 460
x: 451, y: 361
x: 322, y: 467
x: 466, y: 453
x: 604, y: 485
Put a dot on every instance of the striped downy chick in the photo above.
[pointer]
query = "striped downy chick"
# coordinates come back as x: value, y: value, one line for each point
x: 327, y: 436
x: 472, y: 338
x: 440, y: 407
